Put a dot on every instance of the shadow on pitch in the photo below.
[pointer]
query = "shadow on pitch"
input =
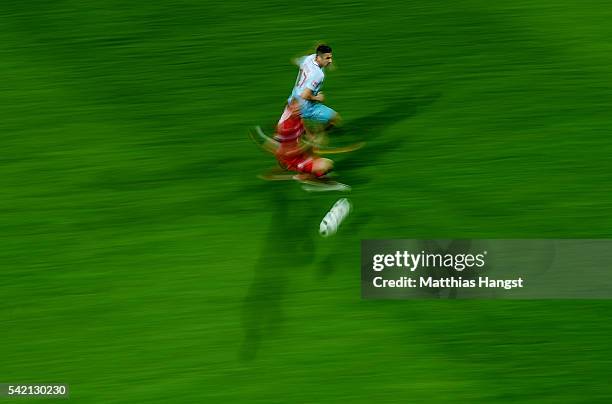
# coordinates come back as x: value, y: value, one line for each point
x: 288, y: 246
x: 369, y: 129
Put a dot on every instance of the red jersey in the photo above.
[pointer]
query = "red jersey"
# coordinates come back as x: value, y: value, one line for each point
x: 290, y: 126
x: 288, y: 131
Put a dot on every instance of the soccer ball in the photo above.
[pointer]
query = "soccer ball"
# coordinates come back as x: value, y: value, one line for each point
x: 336, y: 215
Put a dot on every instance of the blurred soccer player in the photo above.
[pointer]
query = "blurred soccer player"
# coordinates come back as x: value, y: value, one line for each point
x: 293, y: 153
x: 306, y: 103
x: 307, y: 92
x: 300, y: 132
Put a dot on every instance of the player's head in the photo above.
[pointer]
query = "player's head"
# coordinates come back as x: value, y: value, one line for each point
x: 324, y: 55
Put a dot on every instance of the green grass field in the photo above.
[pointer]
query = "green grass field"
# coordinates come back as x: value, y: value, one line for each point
x: 142, y: 261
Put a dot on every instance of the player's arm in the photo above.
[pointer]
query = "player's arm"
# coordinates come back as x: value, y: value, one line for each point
x: 308, y: 95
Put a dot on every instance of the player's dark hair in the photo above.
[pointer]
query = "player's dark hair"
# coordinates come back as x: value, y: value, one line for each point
x: 322, y: 49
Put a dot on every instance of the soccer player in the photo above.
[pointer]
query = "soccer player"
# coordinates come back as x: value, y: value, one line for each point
x: 306, y: 103
x: 307, y: 89
x: 293, y: 153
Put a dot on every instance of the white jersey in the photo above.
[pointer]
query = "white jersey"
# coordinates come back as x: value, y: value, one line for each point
x: 311, y: 76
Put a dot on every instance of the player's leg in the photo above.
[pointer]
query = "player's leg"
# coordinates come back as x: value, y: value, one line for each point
x: 322, y: 166
x: 335, y: 120
x: 262, y: 140
x: 313, y: 166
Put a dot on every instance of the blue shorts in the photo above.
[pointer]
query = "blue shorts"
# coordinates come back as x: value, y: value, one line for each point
x: 315, y: 111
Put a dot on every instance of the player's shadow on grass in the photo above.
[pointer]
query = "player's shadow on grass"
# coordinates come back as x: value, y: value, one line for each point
x: 288, y: 246
x: 369, y: 129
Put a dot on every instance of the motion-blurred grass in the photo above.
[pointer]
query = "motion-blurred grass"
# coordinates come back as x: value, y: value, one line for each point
x: 142, y: 261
